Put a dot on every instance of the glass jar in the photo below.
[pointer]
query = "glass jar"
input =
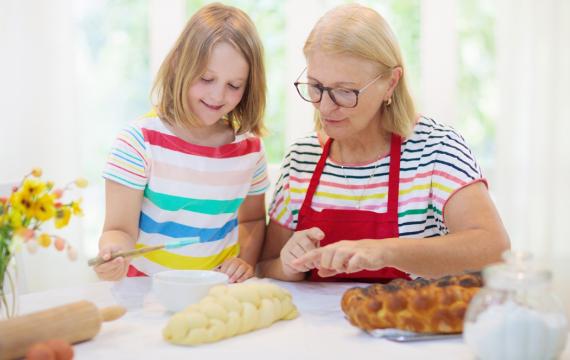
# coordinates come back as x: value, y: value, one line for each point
x: 515, y: 315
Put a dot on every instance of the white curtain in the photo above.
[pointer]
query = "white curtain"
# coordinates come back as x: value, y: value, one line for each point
x: 36, y: 93
x: 532, y: 185
x: 38, y: 126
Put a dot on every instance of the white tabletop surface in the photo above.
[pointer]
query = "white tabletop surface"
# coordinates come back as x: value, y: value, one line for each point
x: 320, y: 332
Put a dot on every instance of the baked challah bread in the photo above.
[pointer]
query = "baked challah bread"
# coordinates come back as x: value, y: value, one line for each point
x: 230, y: 310
x: 423, y: 306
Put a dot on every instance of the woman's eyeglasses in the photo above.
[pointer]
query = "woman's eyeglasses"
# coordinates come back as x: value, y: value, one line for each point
x: 347, y: 98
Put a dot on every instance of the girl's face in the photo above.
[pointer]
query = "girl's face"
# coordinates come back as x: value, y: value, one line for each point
x: 348, y: 72
x: 220, y: 88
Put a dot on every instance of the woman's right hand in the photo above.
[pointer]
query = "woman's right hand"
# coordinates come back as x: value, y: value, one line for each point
x: 299, y: 244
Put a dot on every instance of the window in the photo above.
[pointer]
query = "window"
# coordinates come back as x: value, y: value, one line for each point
x: 114, y: 75
x: 113, y: 83
x: 477, y: 107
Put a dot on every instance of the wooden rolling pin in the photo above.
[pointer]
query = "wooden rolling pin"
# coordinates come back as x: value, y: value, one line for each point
x: 73, y: 322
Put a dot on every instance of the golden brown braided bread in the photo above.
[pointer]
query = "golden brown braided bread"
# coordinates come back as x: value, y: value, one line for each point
x: 434, y: 306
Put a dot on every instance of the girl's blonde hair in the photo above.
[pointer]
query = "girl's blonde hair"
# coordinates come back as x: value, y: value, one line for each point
x: 359, y: 31
x: 188, y: 59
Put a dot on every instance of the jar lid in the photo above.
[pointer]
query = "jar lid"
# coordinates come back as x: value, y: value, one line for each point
x: 518, y: 271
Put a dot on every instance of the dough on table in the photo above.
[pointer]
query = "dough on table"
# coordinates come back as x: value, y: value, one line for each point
x: 230, y: 310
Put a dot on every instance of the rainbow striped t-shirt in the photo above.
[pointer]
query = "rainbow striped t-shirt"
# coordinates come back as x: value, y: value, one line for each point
x: 435, y: 163
x: 189, y: 191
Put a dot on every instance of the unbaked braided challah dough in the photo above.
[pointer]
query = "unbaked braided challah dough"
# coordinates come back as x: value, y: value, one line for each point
x: 229, y: 310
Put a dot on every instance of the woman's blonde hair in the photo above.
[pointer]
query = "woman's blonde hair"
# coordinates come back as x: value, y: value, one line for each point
x: 188, y: 59
x: 359, y: 31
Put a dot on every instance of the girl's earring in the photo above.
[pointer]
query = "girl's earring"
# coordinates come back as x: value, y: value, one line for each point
x: 389, y: 102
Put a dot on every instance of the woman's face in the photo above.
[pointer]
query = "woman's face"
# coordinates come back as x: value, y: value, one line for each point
x: 220, y: 88
x: 348, y: 72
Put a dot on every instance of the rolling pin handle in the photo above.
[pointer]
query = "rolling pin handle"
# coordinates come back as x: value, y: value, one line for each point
x: 112, y: 313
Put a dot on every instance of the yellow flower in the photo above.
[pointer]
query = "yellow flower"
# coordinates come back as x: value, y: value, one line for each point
x: 30, y: 205
x: 44, y: 208
x: 76, y: 206
x: 81, y: 183
x: 44, y: 240
x: 33, y: 187
x: 62, y: 216
x: 22, y: 202
x: 37, y: 172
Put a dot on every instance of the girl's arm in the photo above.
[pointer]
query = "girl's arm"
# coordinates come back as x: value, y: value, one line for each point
x: 476, y: 238
x: 251, y: 228
x: 121, y: 228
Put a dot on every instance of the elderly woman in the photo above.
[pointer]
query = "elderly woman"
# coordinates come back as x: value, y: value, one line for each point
x: 378, y: 192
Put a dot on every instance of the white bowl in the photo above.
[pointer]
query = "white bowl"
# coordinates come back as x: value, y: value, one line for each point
x: 176, y: 289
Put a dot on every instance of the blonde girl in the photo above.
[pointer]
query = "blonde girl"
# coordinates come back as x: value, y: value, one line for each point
x: 195, y: 168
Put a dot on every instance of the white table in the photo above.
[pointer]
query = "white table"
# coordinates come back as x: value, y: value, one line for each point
x: 320, y: 332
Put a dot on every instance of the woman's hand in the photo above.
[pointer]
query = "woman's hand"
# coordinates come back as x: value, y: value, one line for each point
x: 115, y: 269
x: 301, y: 243
x: 236, y: 269
x: 345, y: 257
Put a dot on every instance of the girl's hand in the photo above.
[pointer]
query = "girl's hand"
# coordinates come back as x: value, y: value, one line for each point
x: 301, y: 243
x: 345, y: 257
x: 115, y: 269
x: 237, y: 269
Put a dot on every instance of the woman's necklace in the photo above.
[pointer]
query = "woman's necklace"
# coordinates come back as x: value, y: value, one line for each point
x: 350, y: 186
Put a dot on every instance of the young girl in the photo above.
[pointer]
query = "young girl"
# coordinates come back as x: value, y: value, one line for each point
x: 195, y: 168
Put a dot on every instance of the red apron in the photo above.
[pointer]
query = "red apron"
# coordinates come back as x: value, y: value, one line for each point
x: 134, y: 272
x: 355, y: 224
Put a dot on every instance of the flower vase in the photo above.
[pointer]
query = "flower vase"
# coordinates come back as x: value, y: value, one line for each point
x: 8, y: 290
